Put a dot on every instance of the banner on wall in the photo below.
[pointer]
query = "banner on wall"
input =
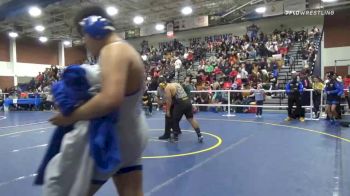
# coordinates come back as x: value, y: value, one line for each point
x: 252, y: 31
x: 295, y: 5
x: 218, y: 37
x: 274, y: 9
x: 170, y: 29
x: 253, y: 28
x: 132, y: 33
x: 191, y: 23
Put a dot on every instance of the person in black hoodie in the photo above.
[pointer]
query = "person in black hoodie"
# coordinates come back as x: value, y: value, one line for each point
x: 294, y: 90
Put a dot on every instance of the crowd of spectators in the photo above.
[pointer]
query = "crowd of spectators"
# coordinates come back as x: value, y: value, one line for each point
x: 213, y: 63
x: 310, y: 48
x: 225, y: 62
x: 38, y: 87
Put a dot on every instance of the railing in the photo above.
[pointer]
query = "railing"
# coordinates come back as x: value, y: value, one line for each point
x: 3, y: 95
x: 229, y: 104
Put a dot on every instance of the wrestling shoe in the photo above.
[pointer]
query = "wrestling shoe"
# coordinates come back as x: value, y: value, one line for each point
x: 164, y: 137
x: 288, y: 119
x: 317, y: 115
x: 200, y: 139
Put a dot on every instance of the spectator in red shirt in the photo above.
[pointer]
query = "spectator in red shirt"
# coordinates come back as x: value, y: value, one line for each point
x: 238, y: 80
x: 347, y: 86
x: 347, y: 82
x: 283, y: 50
x: 156, y: 73
x: 217, y: 70
x: 190, y: 55
x: 233, y: 73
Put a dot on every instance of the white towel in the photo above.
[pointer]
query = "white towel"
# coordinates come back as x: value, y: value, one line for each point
x: 69, y: 173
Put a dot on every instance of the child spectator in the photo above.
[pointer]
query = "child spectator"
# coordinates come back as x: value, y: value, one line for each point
x: 259, y: 95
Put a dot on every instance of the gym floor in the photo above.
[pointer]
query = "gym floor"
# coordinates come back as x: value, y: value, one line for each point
x: 241, y: 156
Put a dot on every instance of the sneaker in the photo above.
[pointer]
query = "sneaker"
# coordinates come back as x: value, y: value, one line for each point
x: 302, y: 119
x: 164, y: 137
x: 200, y: 139
x: 318, y: 115
x: 259, y: 116
x: 288, y: 119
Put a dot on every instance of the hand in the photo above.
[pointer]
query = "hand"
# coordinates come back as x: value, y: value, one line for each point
x: 60, y: 120
x: 168, y: 114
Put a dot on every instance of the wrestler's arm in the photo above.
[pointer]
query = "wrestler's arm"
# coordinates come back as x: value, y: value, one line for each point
x: 114, y: 69
x: 168, y: 98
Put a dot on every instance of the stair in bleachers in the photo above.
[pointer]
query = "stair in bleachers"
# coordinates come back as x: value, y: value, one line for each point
x: 285, y: 72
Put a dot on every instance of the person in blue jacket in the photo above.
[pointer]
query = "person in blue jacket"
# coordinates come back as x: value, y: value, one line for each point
x: 294, y: 89
x: 333, y: 91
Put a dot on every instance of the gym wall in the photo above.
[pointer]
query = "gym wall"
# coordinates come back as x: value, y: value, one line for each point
x: 337, y: 29
x: 33, y: 52
x: 336, y: 42
x: 4, y: 49
x: 6, y: 78
x: 6, y: 82
x: 33, y: 57
x: 75, y: 55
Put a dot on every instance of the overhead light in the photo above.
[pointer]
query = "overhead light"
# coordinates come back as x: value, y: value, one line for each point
x: 13, y: 34
x: 43, y: 39
x: 67, y: 43
x: 260, y: 10
x: 34, y: 11
x: 160, y: 27
x: 138, y: 20
x: 40, y: 28
x: 187, y: 10
x: 111, y: 10
x: 329, y: 1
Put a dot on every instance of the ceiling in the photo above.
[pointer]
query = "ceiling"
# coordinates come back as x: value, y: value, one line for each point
x: 58, y: 14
